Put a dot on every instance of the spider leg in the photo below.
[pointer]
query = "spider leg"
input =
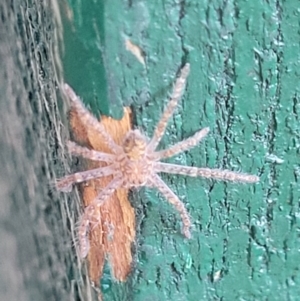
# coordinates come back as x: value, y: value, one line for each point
x: 88, y: 119
x: 87, y: 153
x: 89, y: 214
x: 65, y: 184
x: 182, y: 145
x: 219, y: 174
x: 157, y: 182
x: 83, y: 230
x: 175, y: 97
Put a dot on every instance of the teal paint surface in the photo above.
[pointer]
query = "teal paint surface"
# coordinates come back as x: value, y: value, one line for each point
x: 83, y: 53
x: 244, y: 85
x: 244, y: 80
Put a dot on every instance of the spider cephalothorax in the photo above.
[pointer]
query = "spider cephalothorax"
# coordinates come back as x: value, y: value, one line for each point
x: 134, y: 145
x: 134, y: 163
x: 137, y: 163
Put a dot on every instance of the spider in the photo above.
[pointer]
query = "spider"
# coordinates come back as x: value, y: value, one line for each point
x: 136, y: 162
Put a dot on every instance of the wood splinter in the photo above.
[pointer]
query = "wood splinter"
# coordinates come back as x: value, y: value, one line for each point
x: 114, y: 229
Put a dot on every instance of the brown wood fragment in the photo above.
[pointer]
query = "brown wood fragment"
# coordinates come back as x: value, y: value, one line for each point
x: 113, y: 236
x: 136, y: 51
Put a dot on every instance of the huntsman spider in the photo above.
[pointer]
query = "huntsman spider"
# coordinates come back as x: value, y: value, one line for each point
x: 136, y: 162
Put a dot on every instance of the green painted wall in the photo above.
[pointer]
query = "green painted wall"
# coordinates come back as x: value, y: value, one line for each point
x: 244, y: 85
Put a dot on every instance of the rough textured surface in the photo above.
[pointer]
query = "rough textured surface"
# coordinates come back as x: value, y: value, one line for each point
x: 37, y: 260
x: 243, y: 85
x: 244, y: 80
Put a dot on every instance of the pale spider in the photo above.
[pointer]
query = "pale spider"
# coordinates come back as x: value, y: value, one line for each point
x: 136, y: 162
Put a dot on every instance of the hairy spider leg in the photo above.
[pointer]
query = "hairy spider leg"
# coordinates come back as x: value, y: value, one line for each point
x: 89, y: 213
x: 65, y: 184
x: 219, y: 174
x: 172, y: 198
x: 182, y: 145
x: 83, y: 230
x: 175, y: 97
x: 90, y: 154
x: 88, y: 119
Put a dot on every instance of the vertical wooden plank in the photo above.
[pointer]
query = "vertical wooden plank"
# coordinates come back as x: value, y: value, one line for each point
x: 244, y: 86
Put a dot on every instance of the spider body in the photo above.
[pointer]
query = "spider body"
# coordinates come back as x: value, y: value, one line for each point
x: 136, y: 162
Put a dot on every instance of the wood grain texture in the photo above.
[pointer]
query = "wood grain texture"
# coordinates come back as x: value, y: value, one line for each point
x: 244, y: 86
